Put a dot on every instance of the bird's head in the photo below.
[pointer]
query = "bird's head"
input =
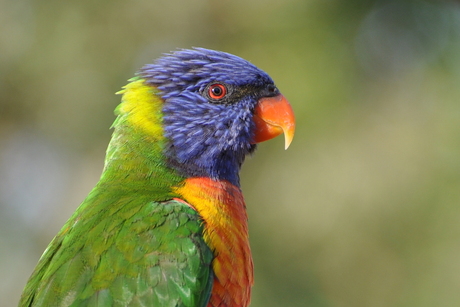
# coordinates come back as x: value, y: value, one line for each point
x: 216, y: 107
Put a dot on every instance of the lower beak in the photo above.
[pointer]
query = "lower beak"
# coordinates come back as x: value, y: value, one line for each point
x: 273, y: 116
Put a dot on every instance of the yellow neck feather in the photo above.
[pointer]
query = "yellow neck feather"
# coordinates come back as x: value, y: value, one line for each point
x: 142, y: 106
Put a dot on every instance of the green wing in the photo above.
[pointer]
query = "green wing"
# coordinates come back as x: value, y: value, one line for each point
x: 137, y: 253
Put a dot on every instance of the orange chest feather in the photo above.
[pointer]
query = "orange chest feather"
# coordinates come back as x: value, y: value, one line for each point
x: 222, y: 208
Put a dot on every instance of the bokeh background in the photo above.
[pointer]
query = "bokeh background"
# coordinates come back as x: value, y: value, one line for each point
x: 364, y: 207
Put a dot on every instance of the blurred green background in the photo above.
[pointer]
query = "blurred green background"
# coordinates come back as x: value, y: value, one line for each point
x: 364, y: 207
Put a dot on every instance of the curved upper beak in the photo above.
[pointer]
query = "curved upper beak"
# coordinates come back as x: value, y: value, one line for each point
x: 273, y: 116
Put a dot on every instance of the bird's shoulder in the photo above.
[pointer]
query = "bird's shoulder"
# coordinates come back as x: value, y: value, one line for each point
x: 137, y: 253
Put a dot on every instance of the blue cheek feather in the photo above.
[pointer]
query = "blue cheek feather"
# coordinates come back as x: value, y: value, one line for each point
x: 212, y: 141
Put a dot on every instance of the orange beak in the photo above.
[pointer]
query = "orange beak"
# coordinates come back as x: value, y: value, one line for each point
x: 273, y: 116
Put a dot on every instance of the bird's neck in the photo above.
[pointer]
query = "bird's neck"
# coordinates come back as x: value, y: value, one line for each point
x: 222, y: 208
x: 224, y: 166
x: 135, y: 157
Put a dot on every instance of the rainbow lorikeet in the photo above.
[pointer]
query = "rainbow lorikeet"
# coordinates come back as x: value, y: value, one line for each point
x: 166, y: 225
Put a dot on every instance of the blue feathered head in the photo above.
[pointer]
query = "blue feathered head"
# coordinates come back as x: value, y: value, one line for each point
x: 209, y: 101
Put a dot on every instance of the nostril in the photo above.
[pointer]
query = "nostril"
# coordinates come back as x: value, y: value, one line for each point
x: 272, y: 89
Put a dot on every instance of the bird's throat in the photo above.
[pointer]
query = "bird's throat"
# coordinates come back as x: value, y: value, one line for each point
x: 222, y: 208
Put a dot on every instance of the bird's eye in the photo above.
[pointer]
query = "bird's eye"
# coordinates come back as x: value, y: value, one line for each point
x: 217, y: 91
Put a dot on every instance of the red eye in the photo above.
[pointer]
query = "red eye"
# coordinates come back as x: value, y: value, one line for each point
x: 217, y: 91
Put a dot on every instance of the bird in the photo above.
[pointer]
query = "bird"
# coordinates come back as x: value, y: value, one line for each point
x: 166, y: 224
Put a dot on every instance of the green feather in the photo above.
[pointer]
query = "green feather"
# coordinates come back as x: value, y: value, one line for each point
x: 156, y: 254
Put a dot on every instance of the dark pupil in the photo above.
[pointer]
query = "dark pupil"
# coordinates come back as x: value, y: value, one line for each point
x: 217, y: 91
x: 272, y: 88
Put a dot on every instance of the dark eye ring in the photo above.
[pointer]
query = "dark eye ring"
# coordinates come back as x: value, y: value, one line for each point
x: 217, y: 91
